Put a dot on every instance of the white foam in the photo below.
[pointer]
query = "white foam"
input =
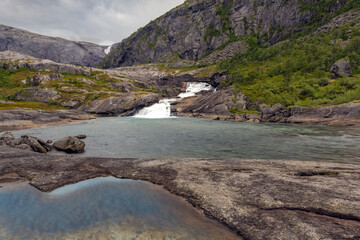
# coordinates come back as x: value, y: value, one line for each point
x: 108, y: 49
x: 163, y: 108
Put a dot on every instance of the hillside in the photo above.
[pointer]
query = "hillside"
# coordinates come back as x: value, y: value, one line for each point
x: 198, y: 28
x: 55, y: 49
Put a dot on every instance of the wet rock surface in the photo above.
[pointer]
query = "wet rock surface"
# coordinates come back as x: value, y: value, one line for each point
x: 260, y: 199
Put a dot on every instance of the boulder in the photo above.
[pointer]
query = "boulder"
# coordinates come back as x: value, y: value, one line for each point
x: 342, y: 68
x: 6, y: 138
x: 70, y: 145
x: 36, y: 144
x: 37, y: 95
x: 70, y: 104
x: 275, y: 113
x: 24, y: 147
x: 81, y: 136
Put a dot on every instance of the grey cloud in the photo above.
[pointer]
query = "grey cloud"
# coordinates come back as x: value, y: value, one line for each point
x: 102, y: 22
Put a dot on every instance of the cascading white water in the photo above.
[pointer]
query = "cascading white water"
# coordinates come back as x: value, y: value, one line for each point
x: 163, y: 108
x: 158, y: 110
x: 108, y: 49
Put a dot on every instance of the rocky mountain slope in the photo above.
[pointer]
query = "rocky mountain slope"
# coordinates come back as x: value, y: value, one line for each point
x: 55, y: 49
x: 197, y: 28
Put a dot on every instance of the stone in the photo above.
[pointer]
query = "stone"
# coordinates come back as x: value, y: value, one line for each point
x: 36, y: 144
x: 341, y: 68
x: 37, y: 95
x: 70, y: 104
x: 24, y: 147
x: 7, y: 137
x: 81, y: 136
x: 49, y: 141
x: 70, y: 145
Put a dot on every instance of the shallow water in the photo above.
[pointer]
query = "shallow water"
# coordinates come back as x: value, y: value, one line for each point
x: 102, y: 208
x: 198, y: 138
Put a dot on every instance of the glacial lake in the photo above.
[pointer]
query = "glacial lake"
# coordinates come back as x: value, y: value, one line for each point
x: 198, y: 138
x: 102, y: 208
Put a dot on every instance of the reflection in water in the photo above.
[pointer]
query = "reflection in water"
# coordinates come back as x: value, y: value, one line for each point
x: 102, y: 208
x: 196, y: 138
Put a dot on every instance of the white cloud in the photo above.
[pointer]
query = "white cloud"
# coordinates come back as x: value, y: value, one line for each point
x: 102, y: 22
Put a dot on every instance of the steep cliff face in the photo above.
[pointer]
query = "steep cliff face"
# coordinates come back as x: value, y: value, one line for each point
x: 55, y: 49
x: 198, y: 27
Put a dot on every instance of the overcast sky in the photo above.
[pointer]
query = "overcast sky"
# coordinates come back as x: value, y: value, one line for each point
x: 99, y: 21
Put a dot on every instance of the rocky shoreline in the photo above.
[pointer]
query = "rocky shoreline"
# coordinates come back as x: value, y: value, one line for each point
x: 259, y: 199
x: 23, y: 119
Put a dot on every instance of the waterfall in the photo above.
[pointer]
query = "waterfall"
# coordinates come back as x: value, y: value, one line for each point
x: 163, y: 108
x: 108, y: 49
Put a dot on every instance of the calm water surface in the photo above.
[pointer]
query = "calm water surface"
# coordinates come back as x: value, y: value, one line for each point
x: 197, y: 138
x: 102, y: 208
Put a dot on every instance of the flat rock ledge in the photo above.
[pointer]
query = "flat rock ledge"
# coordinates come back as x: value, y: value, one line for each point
x: 23, y: 119
x: 259, y: 199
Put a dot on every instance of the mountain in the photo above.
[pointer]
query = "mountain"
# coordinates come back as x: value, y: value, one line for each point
x: 197, y: 28
x: 52, y: 48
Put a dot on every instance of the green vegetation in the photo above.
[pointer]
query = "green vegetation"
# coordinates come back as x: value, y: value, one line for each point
x: 297, y: 72
x: 72, y: 87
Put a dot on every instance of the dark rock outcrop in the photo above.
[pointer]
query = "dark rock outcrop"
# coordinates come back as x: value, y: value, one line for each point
x: 275, y: 113
x: 342, y: 68
x: 37, y: 95
x: 196, y: 28
x: 70, y: 145
x: 55, y: 49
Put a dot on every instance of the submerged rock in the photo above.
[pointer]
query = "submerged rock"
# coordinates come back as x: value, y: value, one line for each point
x: 70, y: 145
x: 81, y: 136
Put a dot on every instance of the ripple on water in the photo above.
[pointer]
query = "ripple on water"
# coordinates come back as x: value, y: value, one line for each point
x: 102, y: 208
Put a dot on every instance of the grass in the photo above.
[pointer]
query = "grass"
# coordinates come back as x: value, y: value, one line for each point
x: 297, y: 72
x: 29, y: 105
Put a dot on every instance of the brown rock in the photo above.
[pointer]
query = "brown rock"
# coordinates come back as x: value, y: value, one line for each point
x: 70, y: 145
x: 81, y: 136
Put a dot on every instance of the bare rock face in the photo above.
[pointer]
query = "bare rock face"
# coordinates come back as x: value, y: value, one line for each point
x: 123, y: 104
x: 215, y: 105
x: 37, y: 95
x: 70, y: 145
x: 15, y: 60
x: 341, y: 68
x: 195, y: 28
x: 55, y: 49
